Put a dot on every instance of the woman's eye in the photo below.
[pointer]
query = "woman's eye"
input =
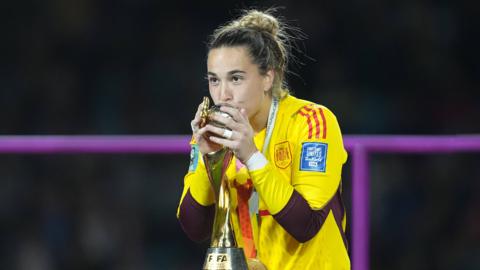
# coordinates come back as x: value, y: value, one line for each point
x: 213, y: 80
x: 236, y: 78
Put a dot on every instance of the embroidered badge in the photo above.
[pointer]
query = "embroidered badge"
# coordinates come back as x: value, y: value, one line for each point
x: 314, y: 157
x: 282, y: 154
x: 193, y: 158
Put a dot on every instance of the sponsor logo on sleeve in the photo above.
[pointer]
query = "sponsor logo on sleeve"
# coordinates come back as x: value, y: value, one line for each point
x: 314, y: 157
x: 193, y: 158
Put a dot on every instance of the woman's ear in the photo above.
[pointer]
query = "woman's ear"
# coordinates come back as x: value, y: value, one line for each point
x: 268, y: 80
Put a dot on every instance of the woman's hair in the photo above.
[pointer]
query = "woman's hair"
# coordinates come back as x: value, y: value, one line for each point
x: 265, y: 38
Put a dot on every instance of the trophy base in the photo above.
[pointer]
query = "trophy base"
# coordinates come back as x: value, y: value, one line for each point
x: 225, y: 258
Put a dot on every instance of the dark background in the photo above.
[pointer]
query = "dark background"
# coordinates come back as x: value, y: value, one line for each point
x: 138, y: 67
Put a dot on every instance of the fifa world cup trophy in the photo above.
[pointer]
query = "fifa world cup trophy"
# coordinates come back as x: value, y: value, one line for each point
x: 224, y: 252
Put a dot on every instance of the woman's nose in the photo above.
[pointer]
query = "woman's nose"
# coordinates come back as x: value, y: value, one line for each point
x: 225, y: 92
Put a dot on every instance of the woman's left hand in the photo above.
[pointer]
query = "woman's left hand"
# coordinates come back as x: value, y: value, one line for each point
x: 240, y: 139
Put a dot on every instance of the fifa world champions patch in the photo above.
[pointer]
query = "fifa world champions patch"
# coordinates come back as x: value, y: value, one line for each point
x: 314, y: 157
x: 283, y: 155
x: 193, y: 158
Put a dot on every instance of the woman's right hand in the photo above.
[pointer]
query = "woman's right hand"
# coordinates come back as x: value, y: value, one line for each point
x: 201, y: 134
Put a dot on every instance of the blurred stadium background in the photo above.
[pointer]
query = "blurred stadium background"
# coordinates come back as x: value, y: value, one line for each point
x: 138, y: 67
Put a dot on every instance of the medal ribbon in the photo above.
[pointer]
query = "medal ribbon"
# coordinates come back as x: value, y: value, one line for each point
x: 247, y: 197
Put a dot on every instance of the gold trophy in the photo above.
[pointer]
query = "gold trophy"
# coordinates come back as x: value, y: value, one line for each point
x: 224, y: 252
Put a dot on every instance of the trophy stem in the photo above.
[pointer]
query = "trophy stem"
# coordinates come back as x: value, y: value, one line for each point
x: 222, y: 233
x: 223, y: 254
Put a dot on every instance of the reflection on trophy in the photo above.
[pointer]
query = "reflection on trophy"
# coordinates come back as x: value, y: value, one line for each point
x: 223, y: 252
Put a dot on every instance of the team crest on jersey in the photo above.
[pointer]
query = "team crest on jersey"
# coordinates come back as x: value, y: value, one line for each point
x: 282, y: 154
x: 193, y: 158
x: 314, y: 157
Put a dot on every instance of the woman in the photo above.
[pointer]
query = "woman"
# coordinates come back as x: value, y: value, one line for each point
x: 287, y: 150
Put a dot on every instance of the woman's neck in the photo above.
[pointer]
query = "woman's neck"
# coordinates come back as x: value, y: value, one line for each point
x: 260, y: 119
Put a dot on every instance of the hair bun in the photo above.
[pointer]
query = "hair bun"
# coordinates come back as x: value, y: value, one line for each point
x: 260, y: 21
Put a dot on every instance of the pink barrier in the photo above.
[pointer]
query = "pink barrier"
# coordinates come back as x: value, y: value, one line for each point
x: 359, y: 147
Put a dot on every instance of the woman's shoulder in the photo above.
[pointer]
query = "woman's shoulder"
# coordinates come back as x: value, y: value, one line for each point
x: 294, y: 106
x: 307, y: 120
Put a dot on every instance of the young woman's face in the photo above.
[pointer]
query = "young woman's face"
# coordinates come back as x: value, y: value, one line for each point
x: 235, y: 80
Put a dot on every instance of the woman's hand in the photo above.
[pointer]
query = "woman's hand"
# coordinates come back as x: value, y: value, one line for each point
x: 201, y: 135
x: 238, y: 134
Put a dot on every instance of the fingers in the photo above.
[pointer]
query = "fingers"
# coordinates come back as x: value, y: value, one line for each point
x: 213, y: 131
x: 197, y: 119
x: 229, y: 143
x: 242, y: 147
x: 228, y: 123
x: 234, y: 132
x: 237, y: 134
x: 235, y: 122
x: 194, y: 125
x: 235, y: 113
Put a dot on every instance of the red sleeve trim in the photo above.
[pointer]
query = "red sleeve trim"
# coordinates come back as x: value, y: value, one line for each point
x: 315, y: 117
x: 324, y: 135
x: 308, y: 112
x: 309, y: 122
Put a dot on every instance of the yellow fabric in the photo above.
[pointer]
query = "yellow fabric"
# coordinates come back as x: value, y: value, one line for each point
x: 277, y: 249
x: 198, y: 183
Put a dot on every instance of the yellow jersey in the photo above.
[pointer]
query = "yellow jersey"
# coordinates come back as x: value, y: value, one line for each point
x: 305, y: 156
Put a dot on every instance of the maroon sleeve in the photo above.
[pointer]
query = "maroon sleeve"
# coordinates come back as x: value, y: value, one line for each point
x: 196, y: 220
x: 303, y: 223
